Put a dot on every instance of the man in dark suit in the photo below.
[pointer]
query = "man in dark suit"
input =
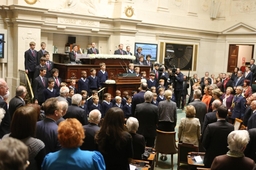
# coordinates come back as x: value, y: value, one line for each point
x: 41, y: 52
x: 248, y: 74
x: 253, y: 69
x: 73, y: 53
x: 120, y: 50
x: 238, y: 105
x: 55, y: 76
x: 46, y: 129
x: 40, y: 83
x: 178, y: 86
x: 252, y: 120
x: 215, y: 137
x: 5, y: 116
x: 201, y: 108
x: 31, y: 61
x: 90, y: 130
x: 248, y: 110
x: 206, y: 77
x: 250, y: 150
x: 128, y: 50
x: 18, y: 100
x: 49, y: 65
x: 211, y: 116
x: 74, y: 111
x: 139, y: 97
x: 93, y: 49
x: 147, y: 115
x: 239, y: 81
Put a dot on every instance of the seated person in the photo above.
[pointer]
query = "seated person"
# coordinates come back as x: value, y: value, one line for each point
x: 131, y: 68
x: 138, y: 140
x: 235, y: 159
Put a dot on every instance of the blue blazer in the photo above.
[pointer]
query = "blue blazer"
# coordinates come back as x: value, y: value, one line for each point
x: 239, y: 107
x: 83, y: 85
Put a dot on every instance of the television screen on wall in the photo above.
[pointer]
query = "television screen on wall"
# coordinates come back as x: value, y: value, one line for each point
x: 1, y: 45
x: 147, y: 49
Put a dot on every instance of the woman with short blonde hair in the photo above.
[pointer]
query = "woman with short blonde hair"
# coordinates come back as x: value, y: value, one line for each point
x: 189, y: 128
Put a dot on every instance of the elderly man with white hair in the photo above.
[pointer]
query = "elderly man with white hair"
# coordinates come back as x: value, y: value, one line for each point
x: 4, y: 114
x: 138, y: 140
x: 74, y: 111
x: 90, y: 130
x: 147, y: 115
x: 235, y: 159
x: 63, y: 93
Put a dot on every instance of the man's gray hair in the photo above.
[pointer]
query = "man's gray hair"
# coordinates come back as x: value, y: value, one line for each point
x: 94, y: 116
x: 132, y: 124
x: 20, y: 90
x: 64, y: 90
x: 216, y: 104
x: 76, y: 99
x: 148, y: 96
x: 237, y: 140
x: 197, y: 93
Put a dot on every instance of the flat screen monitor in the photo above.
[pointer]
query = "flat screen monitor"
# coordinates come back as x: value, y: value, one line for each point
x: 1, y: 45
x: 147, y: 49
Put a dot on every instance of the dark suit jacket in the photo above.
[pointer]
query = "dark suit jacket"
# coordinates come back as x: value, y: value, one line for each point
x: 83, y: 85
x: 47, y: 131
x: 128, y: 53
x: 30, y: 60
x: 40, y: 54
x: 249, y: 76
x: 5, y: 124
x: 75, y: 111
x: 89, y: 143
x: 118, y: 52
x: 49, y: 67
x: 14, y: 104
x: 201, y: 110
x: 253, y: 70
x: 137, y: 99
x: 235, y: 163
x: 178, y: 83
x: 239, y: 108
x: 239, y: 83
x: 138, y: 143
x: 250, y: 150
x: 247, y: 115
x: 57, y: 87
x: 72, y: 56
x: 252, y: 121
x: 90, y: 51
x: 215, y: 140
x: 37, y: 70
x: 147, y: 115
x: 38, y: 88
x: 209, y: 118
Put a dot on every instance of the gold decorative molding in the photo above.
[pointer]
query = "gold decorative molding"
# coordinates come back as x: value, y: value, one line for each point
x: 30, y: 2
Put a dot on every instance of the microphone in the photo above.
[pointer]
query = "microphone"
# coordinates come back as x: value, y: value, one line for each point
x: 125, y: 66
x: 121, y: 65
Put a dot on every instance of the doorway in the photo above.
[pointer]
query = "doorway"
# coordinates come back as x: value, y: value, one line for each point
x: 239, y: 56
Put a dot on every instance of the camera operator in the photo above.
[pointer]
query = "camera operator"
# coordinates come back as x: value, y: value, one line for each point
x: 178, y: 86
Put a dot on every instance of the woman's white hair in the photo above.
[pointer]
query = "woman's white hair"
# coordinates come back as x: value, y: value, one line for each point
x: 132, y: 124
x: 237, y: 140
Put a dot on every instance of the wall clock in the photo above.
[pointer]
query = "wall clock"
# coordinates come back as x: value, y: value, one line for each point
x: 30, y: 2
x: 129, y: 11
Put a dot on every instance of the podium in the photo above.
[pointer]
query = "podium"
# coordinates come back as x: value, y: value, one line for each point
x: 114, y: 67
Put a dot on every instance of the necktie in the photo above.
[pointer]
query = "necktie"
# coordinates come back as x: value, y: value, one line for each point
x: 121, y: 51
x: 237, y: 80
x: 33, y: 52
x: 48, y: 65
x: 43, y: 81
x: 156, y: 74
x: 57, y: 82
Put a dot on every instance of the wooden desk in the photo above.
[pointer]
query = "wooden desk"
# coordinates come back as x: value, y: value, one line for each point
x: 137, y: 162
x: 191, y: 161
